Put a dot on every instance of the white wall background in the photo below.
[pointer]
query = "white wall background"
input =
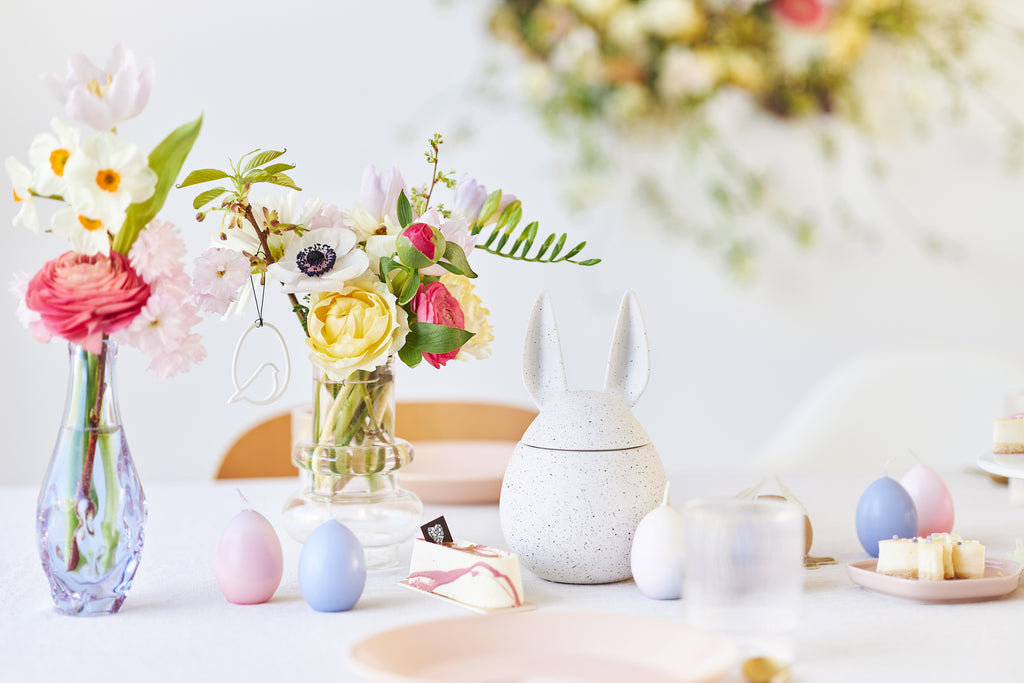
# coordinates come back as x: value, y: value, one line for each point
x: 345, y: 83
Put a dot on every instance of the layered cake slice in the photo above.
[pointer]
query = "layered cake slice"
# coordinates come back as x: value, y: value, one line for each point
x: 938, y: 557
x: 475, y: 575
x: 1008, y: 434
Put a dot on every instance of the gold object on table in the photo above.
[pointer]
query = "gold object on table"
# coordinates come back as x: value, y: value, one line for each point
x: 815, y: 562
x: 766, y: 670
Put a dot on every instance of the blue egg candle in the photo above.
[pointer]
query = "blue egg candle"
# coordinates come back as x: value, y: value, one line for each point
x: 884, y: 510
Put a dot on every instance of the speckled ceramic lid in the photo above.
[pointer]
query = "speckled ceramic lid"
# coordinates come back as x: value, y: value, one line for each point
x: 586, y: 421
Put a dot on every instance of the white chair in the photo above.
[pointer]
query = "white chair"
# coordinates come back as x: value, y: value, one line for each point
x: 938, y: 403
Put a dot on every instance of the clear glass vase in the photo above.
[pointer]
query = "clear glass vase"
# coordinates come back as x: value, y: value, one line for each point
x: 91, y: 512
x: 348, y: 470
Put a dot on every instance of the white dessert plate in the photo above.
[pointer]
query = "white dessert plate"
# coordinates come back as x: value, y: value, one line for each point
x: 1003, y: 464
x: 554, y: 647
x: 457, y: 472
x: 1001, y: 577
x: 525, y: 607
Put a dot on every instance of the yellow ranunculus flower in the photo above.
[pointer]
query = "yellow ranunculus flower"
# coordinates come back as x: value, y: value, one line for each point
x: 356, y: 328
x: 461, y: 287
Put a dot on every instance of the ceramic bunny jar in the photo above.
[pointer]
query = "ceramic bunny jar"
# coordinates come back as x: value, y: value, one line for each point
x: 585, y: 472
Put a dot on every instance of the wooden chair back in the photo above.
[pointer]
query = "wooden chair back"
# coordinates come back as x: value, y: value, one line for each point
x: 265, y: 450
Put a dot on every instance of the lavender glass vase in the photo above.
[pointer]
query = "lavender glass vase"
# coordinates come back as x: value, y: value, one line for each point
x: 91, y: 512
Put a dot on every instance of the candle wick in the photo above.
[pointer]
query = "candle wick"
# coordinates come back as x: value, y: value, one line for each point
x: 887, y: 463
x: 914, y: 455
x: 244, y: 499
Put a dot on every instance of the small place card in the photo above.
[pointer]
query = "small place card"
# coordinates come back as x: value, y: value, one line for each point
x: 437, y: 531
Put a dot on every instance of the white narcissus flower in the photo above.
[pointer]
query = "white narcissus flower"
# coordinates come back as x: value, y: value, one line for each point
x: 104, y: 176
x: 479, y: 345
x: 86, y: 235
x: 102, y: 98
x: 319, y: 261
x: 21, y: 179
x: 49, y: 156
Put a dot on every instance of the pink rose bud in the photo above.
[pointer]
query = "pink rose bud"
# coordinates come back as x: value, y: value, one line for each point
x: 422, y: 238
x: 81, y: 298
x: 433, y: 303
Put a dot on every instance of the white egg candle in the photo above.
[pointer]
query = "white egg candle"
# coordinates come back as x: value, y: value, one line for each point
x: 249, y: 562
x: 932, y: 499
x: 657, y: 559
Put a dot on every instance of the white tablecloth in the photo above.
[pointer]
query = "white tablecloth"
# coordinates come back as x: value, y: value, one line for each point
x: 177, y: 626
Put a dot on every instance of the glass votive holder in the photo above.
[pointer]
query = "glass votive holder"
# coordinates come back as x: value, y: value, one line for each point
x: 743, y: 572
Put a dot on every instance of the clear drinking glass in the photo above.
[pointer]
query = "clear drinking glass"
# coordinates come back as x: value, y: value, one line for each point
x: 743, y: 572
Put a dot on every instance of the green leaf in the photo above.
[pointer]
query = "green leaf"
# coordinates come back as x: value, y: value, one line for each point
x: 166, y: 159
x: 409, y: 288
x: 433, y: 338
x: 284, y: 181
x: 455, y: 255
x: 589, y: 262
x: 404, y: 210
x: 203, y: 175
x: 558, y: 246
x: 409, y: 354
x: 207, y: 197
x: 525, y: 238
x: 545, y: 245
x: 387, y: 264
x: 262, y: 158
x: 575, y: 250
x: 278, y: 168
x: 494, y: 234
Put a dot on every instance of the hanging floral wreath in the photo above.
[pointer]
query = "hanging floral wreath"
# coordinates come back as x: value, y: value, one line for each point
x: 643, y: 65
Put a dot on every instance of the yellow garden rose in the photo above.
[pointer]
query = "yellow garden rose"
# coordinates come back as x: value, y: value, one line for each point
x: 356, y: 328
x: 479, y: 346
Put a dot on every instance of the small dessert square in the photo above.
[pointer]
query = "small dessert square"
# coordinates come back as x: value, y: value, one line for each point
x: 938, y: 557
x: 473, y: 574
x: 1008, y: 434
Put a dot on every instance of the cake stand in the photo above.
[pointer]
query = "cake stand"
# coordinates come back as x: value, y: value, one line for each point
x: 1009, y: 465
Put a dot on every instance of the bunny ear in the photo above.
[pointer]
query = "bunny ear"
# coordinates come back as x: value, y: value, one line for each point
x: 543, y: 369
x: 629, y: 363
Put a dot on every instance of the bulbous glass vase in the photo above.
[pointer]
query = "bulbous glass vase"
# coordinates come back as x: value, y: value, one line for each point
x: 349, y: 467
x: 91, y: 512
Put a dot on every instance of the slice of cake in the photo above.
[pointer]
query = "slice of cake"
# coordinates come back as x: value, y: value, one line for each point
x: 473, y: 574
x: 1008, y: 434
x: 938, y: 557
x: 968, y: 559
x: 898, y: 557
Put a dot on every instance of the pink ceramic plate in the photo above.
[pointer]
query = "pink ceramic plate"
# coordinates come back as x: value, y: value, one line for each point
x: 1001, y: 577
x: 544, y: 646
x: 457, y: 472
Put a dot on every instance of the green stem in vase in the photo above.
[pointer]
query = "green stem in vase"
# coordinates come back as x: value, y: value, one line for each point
x: 108, y: 526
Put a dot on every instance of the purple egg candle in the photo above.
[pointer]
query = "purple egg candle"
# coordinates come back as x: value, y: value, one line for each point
x: 885, y: 510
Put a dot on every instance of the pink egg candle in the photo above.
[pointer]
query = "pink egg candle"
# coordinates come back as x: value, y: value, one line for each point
x: 932, y: 499
x: 249, y: 562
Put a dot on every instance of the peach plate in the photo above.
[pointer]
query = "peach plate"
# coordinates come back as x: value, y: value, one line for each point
x: 1001, y: 577
x: 544, y: 646
x: 457, y: 472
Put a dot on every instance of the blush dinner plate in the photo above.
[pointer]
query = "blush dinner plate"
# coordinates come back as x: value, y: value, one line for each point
x: 1001, y: 577
x: 554, y: 647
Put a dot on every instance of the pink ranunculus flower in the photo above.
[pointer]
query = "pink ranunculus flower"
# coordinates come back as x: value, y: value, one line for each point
x: 82, y: 297
x: 433, y: 303
x: 809, y: 15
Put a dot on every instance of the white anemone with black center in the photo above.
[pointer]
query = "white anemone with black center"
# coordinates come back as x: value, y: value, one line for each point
x: 321, y: 260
